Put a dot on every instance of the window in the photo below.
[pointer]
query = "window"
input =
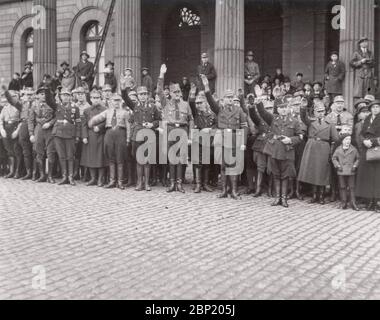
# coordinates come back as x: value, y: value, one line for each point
x: 187, y: 17
x: 29, y: 45
x: 93, y: 36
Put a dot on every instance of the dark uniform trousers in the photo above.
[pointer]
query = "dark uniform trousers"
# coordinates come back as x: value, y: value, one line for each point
x: 65, y: 148
x: 44, y: 141
x: 26, y: 145
x: 12, y: 146
x: 115, y: 145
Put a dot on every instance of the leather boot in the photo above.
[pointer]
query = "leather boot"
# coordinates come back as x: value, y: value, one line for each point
x: 131, y: 172
x: 371, y: 205
x: 284, y: 196
x: 76, y: 170
x: 292, y: 192
x: 250, y: 186
x: 258, y: 184
x: 101, y: 177
x: 147, y: 177
x: 41, y: 168
x: 198, y: 180
x: 17, y: 168
x: 65, y: 178
x: 92, y: 182
x: 11, y: 168
x: 224, y: 193
x: 315, y: 198
x: 277, y: 195
x: 172, y: 186
x: 120, y: 176
x: 70, y: 166
x: 35, y: 170
x: 322, y: 195
x: 206, y: 178
x: 28, y: 167
x: 154, y: 179
x: 112, y: 183
x: 50, y: 178
x: 353, y: 200
x: 234, y: 184
x: 270, y: 186
x: 179, y: 186
x: 299, y: 195
x: 140, y: 169
x: 180, y: 177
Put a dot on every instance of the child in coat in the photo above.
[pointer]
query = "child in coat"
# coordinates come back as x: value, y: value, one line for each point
x: 346, y: 162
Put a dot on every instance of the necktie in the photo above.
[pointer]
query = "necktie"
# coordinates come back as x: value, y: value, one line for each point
x: 114, y: 122
x: 176, y: 110
x: 339, y: 120
x: 320, y: 121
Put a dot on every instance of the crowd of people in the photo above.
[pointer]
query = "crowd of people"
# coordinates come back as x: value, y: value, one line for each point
x: 297, y: 139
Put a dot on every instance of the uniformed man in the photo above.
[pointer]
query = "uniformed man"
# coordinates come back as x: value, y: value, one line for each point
x: 177, y: 115
x: 146, y: 81
x: 9, y: 128
x: 40, y: 126
x: 145, y: 116
x: 230, y: 118
x: 117, y: 137
x: 23, y: 138
x: 204, y: 121
x: 107, y: 94
x: 264, y: 132
x: 66, y: 131
x: 287, y: 134
x: 206, y: 68
x: 251, y: 73
x: 82, y: 105
x: 339, y: 116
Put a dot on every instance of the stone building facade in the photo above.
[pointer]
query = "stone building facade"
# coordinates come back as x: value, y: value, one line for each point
x: 296, y: 35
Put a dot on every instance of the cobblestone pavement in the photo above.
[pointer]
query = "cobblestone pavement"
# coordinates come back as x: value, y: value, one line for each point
x: 101, y: 244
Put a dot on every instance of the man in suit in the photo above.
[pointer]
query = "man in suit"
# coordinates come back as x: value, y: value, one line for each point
x: 206, y: 68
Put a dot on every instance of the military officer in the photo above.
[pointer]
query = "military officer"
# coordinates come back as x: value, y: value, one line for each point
x: 117, y: 137
x: 230, y: 118
x: 145, y: 116
x: 9, y: 128
x: 177, y: 114
x: 23, y: 137
x: 66, y: 131
x: 107, y: 94
x: 339, y: 116
x: 40, y: 126
x: 287, y: 134
x: 206, y: 68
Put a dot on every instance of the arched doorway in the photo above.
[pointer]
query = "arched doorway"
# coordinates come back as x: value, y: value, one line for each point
x: 263, y: 33
x: 182, y: 42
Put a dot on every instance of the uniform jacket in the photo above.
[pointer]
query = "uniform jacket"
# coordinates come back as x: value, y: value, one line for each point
x: 363, y: 72
x: 251, y: 71
x: 84, y: 70
x: 22, y: 107
x: 67, y: 122
x: 346, y: 118
x: 141, y: 114
x: 9, y: 114
x: 287, y: 127
x: 336, y: 73
x: 263, y: 130
x: 347, y: 160
x: 147, y: 82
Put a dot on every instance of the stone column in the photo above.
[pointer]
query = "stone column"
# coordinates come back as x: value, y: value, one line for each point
x: 360, y: 22
x: 229, y: 45
x: 128, y: 37
x: 45, y: 39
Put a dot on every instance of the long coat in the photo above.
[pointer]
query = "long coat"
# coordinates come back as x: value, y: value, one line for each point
x: 85, y: 70
x: 315, y: 165
x: 363, y: 73
x: 347, y: 160
x: 208, y: 70
x: 92, y: 153
x: 368, y: 178
x: 336, y: 74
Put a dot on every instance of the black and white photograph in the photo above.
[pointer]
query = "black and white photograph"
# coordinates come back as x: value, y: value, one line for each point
x: 198, y: 150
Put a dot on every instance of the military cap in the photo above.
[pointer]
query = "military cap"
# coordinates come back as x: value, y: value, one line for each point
x: 41, y: 90
x: 338, y: 99
x: 28, y: 64
x: 65, y: 91
x: 116, y: 97
x: 199, y: 99
x: 107, y: 87
x: 362, y: 108
x: 228, y: 93
x: 84, y: 52
x: 145, y: 69
x: 319, y: 106
x: 80, y: 90
x: 204, y: 55
x: 65, y: 63
x: 132, y: 93
x: 236, y: 98
x: 95, y: 92
x: 250, y: 54
x: 174, y: 87
x: 142, y: 89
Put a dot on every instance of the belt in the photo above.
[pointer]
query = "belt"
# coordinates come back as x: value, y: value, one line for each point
x: 63, y: 121
x: 117, y: 127
x: 11, y: 122
x: 319, y: 139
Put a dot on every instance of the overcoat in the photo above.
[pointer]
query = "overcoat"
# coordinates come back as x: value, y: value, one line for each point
x: 336, y: 74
